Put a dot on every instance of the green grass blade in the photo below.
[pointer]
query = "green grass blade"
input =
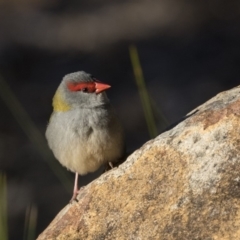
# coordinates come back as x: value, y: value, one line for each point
x: 30, y: 223
x: 160, y: 117
x: 144, y: 96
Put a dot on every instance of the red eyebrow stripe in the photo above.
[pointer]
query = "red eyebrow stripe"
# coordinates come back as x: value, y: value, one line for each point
x: 74, y: 87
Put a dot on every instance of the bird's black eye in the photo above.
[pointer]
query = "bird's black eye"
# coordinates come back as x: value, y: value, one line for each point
x: 85, y: 90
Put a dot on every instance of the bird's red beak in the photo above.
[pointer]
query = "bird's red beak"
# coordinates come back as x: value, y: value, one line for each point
x: 100, y: 87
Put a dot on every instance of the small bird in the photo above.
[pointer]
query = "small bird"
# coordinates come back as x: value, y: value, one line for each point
x: 84, y: 131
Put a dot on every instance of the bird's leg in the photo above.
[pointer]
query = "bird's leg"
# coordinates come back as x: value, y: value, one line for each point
x: 110, y: 164
x: 75, y: 189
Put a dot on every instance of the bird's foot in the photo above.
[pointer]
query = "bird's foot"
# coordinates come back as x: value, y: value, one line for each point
x: 111, y: 165
x: 108, y: 166
x: 75, y: 194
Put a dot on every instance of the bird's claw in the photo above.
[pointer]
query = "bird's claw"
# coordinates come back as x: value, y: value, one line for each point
x: 74, y: 197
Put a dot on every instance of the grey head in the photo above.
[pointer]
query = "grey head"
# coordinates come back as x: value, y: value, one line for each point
x: 80, y: 89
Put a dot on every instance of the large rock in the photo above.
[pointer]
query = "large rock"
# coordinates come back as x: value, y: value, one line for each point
x: 184, y: 184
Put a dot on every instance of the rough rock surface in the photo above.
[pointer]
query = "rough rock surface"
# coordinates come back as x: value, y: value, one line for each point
x: 184, y: 184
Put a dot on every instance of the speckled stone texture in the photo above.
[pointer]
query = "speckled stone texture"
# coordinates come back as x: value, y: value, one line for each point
x: 184, y: 184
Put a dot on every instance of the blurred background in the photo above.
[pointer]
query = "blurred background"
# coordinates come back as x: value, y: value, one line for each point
x: 189, y: 51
